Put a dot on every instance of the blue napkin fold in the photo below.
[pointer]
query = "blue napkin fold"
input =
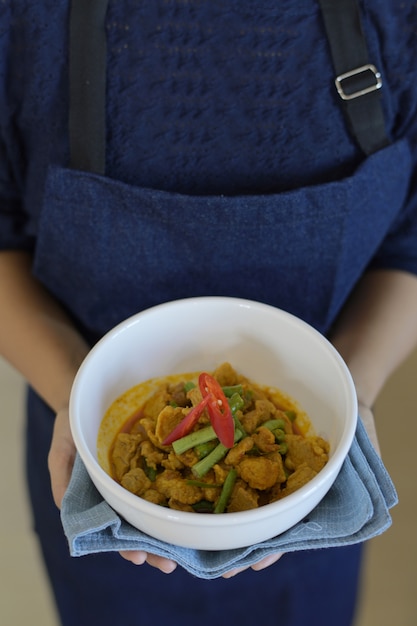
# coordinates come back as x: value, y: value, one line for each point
x: 355, y: 509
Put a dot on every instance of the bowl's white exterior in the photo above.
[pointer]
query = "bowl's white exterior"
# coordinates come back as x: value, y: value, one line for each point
x: 265, y: 344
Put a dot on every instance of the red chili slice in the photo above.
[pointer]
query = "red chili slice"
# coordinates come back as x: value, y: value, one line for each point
x: 188, y: 423
x: 218, y: 409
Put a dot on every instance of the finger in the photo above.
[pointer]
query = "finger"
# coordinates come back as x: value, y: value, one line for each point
x: 260, y: 565
x: 267, y: 561
x: 164, y: 565
x: 368, y: 420
x: 137, y: 557
x: 234, y: 572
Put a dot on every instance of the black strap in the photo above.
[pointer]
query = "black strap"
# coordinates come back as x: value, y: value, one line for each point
x: 357, y: 80
x: 87, y: 73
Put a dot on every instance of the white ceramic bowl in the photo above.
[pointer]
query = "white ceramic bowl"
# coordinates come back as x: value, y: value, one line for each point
x: 269, y: 346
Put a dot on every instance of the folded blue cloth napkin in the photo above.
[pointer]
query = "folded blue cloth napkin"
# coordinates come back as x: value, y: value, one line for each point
x: 355, y: 509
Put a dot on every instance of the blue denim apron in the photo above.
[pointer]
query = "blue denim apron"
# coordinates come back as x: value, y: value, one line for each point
x: 107, y: 250
x: 118, y: 249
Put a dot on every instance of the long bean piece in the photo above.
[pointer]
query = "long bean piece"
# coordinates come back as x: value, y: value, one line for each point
x: 194, y: 439
x: 226, y: 492
x: 202, y: 467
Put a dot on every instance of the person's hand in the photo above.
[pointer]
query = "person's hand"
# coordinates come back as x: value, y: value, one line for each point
x: 167, y: 566
x: 368, y: 420
x: 257, y: 567
x: 139, y: 557
x: 60, y: 462
x: 61, y: 456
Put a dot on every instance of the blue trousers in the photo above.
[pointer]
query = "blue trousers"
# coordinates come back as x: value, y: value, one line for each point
x: 314, y: 588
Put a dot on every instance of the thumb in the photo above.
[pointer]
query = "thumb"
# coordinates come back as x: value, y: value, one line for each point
x: 61, y: 456
x: 368, y: 420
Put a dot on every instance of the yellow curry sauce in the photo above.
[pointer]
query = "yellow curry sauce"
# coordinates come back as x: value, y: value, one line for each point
x: 274, y: 454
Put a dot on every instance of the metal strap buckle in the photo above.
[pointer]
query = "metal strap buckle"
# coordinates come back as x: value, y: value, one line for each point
x: 361, y: 92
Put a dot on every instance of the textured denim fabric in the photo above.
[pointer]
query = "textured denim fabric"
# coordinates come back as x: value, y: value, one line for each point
x: 118, y: 249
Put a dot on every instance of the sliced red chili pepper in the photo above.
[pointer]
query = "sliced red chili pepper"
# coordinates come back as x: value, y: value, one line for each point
x: 187, y: 424
x: 218, y: 409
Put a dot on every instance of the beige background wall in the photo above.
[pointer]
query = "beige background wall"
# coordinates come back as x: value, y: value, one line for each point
x: 389, y: 587
x: 390, y: 578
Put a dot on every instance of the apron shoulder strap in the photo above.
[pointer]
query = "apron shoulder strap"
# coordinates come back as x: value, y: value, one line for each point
x: 357, y: 80
x: 87, y: 85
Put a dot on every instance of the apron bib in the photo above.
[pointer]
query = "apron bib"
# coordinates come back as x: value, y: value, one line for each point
x: 118, y: 249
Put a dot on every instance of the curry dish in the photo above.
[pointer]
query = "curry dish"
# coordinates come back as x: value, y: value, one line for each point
x: 173, y: 451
